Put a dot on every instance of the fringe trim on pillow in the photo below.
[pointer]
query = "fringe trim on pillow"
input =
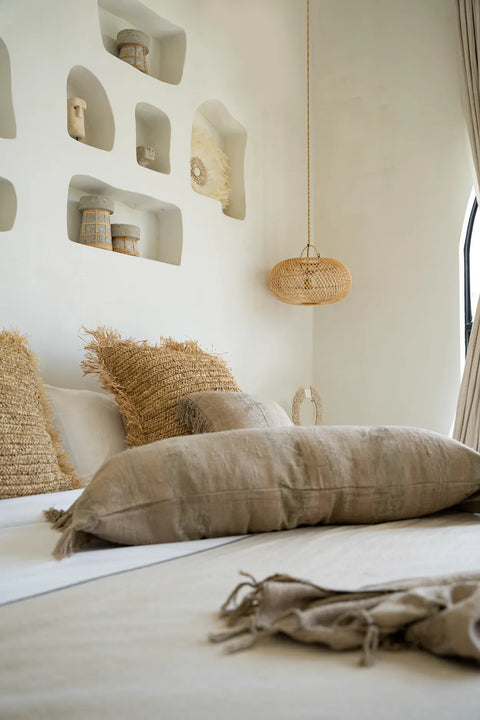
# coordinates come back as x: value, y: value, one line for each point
x: 62, y: 457
x: 71, y: 542
x: 59, y: 519
x: 96, y: 364
x: 193, y: 418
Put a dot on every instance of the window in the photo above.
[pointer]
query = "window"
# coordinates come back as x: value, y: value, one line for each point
x: 471, y: 270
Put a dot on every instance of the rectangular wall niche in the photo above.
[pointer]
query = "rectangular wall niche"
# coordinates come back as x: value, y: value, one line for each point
x: 160, y: 223
x: 168, y: 42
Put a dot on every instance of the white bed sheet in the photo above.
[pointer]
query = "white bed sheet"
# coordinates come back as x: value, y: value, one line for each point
x: 134, y: 644
x: 27, y: 567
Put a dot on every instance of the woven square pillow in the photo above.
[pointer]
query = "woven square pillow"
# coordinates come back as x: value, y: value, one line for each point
x: 147, y: 381
x: 259, y: 480
x: 212, y: 411
x: 32, y: 460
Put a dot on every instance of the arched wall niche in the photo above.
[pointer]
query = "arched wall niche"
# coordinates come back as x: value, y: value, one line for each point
x: 153, y: 130
x: 213, y: 121
x: 8, y: 127
x: 168, y: 42
x: 160, y: 223
x: 99, y: 122
x: 8, y: 205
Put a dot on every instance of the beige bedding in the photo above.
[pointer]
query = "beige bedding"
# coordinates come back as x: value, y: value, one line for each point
x: 135, y: 645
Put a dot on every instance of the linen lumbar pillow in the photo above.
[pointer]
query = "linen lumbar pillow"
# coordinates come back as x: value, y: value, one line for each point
x: 212, y: 411
x: 259, y: 480
x: 147, y: 381
x: 90, y: 427
x: 32, y: 460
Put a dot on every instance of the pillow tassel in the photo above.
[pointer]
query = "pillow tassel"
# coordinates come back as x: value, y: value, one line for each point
x: 66, y: 544
x: 52, y: 515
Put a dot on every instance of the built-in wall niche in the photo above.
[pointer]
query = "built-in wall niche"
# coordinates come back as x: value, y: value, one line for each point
x: 218, y: 157
x: 152, y: 138
x: 99, y: 124
x: 8, y: 204
x: 160, y: 223
x: 8, y: 128
x: 167, y: 42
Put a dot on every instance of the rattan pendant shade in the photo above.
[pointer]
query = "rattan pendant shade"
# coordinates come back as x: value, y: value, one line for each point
x: 309, y: 280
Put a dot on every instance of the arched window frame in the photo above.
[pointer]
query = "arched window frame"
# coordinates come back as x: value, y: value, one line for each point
x: 466, y: 273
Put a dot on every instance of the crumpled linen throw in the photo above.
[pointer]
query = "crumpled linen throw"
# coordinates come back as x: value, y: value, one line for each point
x: 439, y: 615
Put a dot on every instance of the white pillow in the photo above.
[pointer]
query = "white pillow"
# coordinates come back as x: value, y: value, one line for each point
x: 90, y: 426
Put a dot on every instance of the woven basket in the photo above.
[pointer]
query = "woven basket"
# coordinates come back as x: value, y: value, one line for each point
x: 95, y: 229
x: 125, y: 238
x: 310, y: 281
x: 133, y: 48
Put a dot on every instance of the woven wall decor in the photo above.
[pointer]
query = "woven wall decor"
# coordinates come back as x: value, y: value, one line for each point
x: 210, y: 172
x: 311, y: 394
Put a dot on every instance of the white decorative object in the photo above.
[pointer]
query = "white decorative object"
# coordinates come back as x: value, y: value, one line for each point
x: 76, y: 117
x: 145, y: 155
x: 307, y: 393
x: 210, y: 172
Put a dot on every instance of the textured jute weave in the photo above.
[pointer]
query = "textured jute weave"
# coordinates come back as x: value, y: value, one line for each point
x: 148, y: 381
x: 31, y: 457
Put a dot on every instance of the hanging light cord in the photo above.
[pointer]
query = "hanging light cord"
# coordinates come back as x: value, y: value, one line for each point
x: 308, y: 128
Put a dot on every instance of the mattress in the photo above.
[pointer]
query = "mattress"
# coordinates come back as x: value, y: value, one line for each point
x: 134, y: 642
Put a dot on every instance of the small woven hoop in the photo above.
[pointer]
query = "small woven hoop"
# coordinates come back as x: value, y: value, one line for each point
x: 307, y: 248
x: 315, y: 398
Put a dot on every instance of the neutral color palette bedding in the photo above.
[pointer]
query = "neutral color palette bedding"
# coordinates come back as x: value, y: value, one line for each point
x: 135, y: 644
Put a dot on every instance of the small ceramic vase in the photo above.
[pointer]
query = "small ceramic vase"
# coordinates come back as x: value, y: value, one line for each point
x: 76, y: 117
x: 145, y: 155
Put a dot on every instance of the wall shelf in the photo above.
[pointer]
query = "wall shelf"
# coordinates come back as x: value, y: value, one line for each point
x: 8, y: 128
x: 153, y: 129
x: 99, y: 123
x: 214, y: 118
x: 8, y: 205
x: 160, y: 222
x: 167, y: 41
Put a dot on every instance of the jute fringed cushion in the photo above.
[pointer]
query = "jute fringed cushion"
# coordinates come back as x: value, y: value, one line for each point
x: 212, y: 411
x: 31, y: 457
x: 147, y: 381
x: 258, y: 480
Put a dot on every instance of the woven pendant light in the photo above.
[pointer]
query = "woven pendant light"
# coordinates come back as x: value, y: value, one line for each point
x: 309, y: 280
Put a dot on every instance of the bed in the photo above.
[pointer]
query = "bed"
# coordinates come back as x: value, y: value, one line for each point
x: 132, y: 641
x: 124, y: 629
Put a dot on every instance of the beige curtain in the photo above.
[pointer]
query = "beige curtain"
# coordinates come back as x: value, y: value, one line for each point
x: 467, y: 419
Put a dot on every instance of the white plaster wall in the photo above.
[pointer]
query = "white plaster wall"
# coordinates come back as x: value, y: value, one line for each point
x: 391, y: 183
x: 248, y: 55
